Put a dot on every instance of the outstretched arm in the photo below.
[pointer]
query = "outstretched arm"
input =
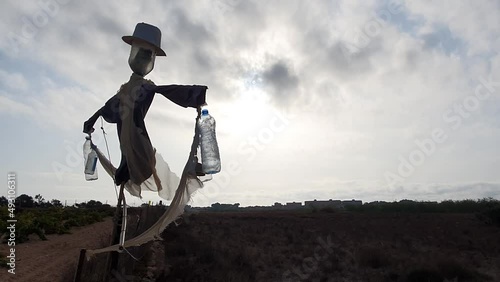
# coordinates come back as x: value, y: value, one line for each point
x: 110, y: 112
x: 88, y: 126
x: 183, y: 95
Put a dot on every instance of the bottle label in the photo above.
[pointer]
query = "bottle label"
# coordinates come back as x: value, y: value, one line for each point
x: 91, y: 165
x: 94, y: 164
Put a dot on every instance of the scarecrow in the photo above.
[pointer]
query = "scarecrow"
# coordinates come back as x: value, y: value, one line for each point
x: 141, y: 167
x: 129, y: 107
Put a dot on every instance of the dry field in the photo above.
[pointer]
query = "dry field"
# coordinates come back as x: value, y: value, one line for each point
x: 299, y: 246
x: 289, y: 246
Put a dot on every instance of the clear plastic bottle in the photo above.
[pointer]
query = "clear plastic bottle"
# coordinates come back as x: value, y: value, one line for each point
x: 90, y: 160
x: 210, y: 158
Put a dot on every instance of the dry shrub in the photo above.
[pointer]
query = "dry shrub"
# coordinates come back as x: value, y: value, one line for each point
x: 424, y: 274
x: 490, y: 216
x: 372, y: 257
x: 192, y: 259
x: 452, y: 269
x: 328, y: 210
x: 445, y: 270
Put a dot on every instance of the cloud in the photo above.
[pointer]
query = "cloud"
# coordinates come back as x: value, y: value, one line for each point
x: 442, y: 39
x: 13, y: 81
x: 12, y: 107
x: 282, y: 82
x: 353, y: 108
x: 473, y: 24
x: 64, y: 108
x: 373, y: 191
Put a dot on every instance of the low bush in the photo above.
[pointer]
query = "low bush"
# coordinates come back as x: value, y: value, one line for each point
x: 328, y: 210
x: 448, y: 206
x: 424, y: 274
x: 445, y: 270
x: 53, y: 220
x: 372, y: 257
x: 491, y: 216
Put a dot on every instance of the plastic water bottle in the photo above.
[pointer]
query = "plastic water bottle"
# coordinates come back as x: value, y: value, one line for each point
x: 90, y: 160
x: 210, y: 158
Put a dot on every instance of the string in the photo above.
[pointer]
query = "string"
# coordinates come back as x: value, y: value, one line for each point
x: 109, y: 155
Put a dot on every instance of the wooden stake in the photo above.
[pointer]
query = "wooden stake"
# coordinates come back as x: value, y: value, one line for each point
x: 81, y: 261
x: 115, y: 237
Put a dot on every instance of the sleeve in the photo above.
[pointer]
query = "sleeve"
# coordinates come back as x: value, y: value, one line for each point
x: 110, y: 111
x: 183, y: 95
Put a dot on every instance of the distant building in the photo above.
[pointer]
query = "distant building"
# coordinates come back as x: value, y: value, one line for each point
x: 224, y: 207
x: 336, y: 204
x: 352, y: 203
x: 293, y: 205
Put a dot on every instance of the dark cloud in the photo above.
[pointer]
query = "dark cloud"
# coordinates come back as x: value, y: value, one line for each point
x: 111, y: 26
x: 203, y: 59
x: 326, y: 54
x: 349, y: 61
x: 366, y: 94
x: 282, y: 81
x: 442, y: 39
x: 186, y: 30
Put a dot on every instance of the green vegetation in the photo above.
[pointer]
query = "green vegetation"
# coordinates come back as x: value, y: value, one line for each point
x: 491, y: 215
x: 487, y: 210
x: 463, y: 206
x: 42, y: 218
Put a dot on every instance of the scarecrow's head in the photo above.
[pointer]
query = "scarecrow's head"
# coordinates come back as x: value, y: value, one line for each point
x: 145, y: 46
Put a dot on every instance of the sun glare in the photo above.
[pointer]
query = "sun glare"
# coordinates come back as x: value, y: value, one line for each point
x: 245, y: 114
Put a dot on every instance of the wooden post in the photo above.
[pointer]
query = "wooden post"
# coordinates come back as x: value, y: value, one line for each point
x: 115, y: 237
x: 81, y: 261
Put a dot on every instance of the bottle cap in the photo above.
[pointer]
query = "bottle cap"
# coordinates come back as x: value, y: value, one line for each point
x: 204, y: 112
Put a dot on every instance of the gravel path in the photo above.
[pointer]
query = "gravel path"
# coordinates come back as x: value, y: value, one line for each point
x: 55, y: 259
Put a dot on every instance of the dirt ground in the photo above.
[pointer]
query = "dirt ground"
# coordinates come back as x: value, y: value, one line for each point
x: 340, y: 246
x: 55, y: 259
x: 292, y: 246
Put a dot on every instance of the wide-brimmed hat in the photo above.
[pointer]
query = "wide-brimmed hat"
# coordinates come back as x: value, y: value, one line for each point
x: 146, y: 33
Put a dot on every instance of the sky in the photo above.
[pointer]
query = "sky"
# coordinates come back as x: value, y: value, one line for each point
x: 370, y: 100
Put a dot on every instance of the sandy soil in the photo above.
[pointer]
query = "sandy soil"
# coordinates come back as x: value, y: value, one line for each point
x: 55, y: 259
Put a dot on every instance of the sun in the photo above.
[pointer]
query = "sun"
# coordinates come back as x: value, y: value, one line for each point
x: 244, y: 114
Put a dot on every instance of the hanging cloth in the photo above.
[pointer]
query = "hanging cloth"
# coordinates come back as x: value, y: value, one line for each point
x: 188, y: 184
x: 141, y: 168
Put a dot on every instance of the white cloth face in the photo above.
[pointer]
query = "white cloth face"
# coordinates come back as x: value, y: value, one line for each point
x: 142, y: 58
